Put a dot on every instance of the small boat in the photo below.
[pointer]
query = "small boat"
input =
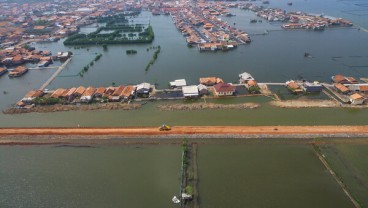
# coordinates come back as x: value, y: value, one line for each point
x: 253, y: 21
x: 290, y: 3
x: 175, y: 200
x: 307, y: 55
x: 230, y: 15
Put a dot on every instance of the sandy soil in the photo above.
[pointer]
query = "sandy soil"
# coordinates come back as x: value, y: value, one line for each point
x: 192, y: 130
x: 202, y: 106
x: 305, y: 104
x: 84, y: 107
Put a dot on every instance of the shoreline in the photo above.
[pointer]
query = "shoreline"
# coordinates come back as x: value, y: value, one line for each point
x: 82, y: 107
x: 181, y: 106
x: 79, y: 141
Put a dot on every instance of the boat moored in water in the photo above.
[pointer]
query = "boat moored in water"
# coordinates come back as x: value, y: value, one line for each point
x: 175, y: 200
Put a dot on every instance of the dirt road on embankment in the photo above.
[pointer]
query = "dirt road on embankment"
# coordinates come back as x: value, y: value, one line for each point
x: 195, y: 130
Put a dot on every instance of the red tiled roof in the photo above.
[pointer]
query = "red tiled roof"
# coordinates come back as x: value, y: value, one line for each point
x: 100, y: 90
x: 293, y: 85
x: 341, y: 87
x: 80, y: 90
x: 338, y: 78
x: 118, y: 91
x: 34, y: 93
x: 127, y: 91
x: 224, y: 87
x: 58, y: 93
x: 89, y: 91
x: 363, y: 88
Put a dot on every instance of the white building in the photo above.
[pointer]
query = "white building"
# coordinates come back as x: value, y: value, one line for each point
x: 190, y: 91
x: 245, y: 77
x: 202, y: 89
x: 143, y: 89
x: 178, y: 83
x: 356, y: 99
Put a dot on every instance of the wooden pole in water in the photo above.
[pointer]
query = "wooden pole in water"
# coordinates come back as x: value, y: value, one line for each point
x: 182, y: 174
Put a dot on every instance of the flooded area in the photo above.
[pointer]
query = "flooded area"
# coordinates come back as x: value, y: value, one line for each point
x: 275, y: 57
x: 89, y: 176
x: 265, y: 175
x: 252, y: 172
x: 239, y: 173
x: 349, y: 164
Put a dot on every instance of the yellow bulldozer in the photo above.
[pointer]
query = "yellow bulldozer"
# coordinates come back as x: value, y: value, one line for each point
x: 165, y: 127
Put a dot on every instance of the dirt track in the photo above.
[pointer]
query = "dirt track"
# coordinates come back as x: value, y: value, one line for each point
x: 178, y: 130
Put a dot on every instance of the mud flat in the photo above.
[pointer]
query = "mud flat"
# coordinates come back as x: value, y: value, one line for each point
x: 202, y: 106
x: 87, y: 107
x: 305, y: 104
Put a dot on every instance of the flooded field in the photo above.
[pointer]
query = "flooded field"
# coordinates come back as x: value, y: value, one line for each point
x: 350, y: 163
x: 97, y: 176
x: 231, y: 173
x: 265, y: 175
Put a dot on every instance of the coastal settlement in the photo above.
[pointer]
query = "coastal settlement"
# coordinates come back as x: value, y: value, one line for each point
x: 343, y: 91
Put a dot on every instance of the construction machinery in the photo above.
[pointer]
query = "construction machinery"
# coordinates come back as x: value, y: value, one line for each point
x: 165, y: 127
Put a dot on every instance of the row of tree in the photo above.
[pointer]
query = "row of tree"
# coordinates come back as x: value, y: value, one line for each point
x: 112, y: 38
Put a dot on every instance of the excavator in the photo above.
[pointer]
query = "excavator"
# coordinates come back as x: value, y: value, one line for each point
x: 165, y: 127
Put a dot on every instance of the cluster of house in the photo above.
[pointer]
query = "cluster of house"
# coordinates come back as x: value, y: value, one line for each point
x: 202, y: 27
x: 17, y: 56
x: 216, y: 85
x: 350, y: 87
x: 51, y: 20
x: 296, y: 20
x: 304, y: 86
x: 125, y: 93
x: 301, y: 20
x: 87, y: 95
x: 347, y: 88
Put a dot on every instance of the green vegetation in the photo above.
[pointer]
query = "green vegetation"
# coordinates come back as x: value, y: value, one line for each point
x: 118, y: 18
x: 86, y: 68
x: 98, y: 57
x: 146, y: 36
x: 26, y: 46
x: 188, y: 190
x: 112, y: 19
x: 350, y: 164
x: 46, y: 101
x: 154, y: 56
x: 254, y: 89
x: 41, y: 22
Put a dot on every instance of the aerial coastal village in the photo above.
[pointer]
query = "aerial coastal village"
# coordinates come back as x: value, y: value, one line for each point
x: 200, y: 23
x: 184, y: 103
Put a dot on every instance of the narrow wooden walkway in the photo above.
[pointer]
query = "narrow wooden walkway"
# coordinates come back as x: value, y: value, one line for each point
x: 55, y: 74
